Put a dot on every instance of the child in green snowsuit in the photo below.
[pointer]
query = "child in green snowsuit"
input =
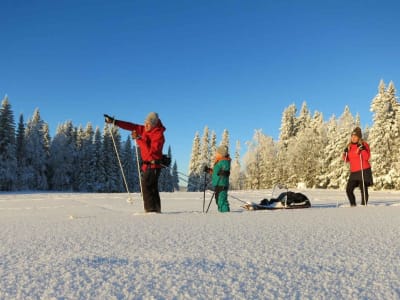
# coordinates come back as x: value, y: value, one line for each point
x: 220, y: 177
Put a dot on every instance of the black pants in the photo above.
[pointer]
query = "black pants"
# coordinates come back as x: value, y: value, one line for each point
x: 151, y: 196
x: 351, y: 185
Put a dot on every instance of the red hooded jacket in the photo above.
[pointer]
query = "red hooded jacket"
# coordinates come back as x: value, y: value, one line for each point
x: 150, y: 142
x: 353, y: 157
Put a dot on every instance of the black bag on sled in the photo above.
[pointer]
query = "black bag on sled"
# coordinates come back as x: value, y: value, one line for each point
x: 286, y: 200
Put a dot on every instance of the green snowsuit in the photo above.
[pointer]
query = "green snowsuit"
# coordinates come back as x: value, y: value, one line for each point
x: 220, y: 181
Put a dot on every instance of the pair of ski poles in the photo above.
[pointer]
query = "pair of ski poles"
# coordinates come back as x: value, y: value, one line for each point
x: 130, y: 199
x: 362, y: 179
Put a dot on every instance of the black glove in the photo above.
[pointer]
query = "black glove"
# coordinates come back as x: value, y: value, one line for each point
x: 361, y: 147
x: 346, y: 150
x: 108, y: 119
x: 206, y: 169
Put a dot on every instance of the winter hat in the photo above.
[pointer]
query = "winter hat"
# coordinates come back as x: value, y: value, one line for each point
x: 152, y: 118
x: 223, y: 150
x: 357, y: 132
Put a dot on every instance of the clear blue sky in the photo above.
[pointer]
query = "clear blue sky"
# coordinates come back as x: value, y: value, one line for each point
x: 221, y: 63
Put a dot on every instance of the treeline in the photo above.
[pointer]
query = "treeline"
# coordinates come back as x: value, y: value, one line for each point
x: 76, y: 159
x: 309, y: 150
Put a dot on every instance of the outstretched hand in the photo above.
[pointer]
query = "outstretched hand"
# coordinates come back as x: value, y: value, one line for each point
x: 109, y: 119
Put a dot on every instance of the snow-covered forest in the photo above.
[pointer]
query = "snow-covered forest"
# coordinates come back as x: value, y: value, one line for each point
x: 309, y: 150
x: 308, y: 153
x: 75, y: 159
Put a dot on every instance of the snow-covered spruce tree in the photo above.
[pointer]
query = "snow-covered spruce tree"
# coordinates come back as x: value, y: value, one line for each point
x: 268, y: 156
x: 294, y: 157
x: 305, y: 154
x: 8, y: 156
x: 175, y: 176
x: 61, y: 162
x: 165, y: 181
x: 384, y: 136
x: 304, y: 119
x: 112, y: 172
x: 86, y: 175
x: 195, y: 174
x: 37, y: 152
x: 213, y: 147
x: 205, y: 159
x: 22, y: 183
x: 260, y: 161
x: 130, y: 165
x: 287, y: 133
x: 331, y: 159
x: 236, y: 178
x: 98, y: 163
x: 225, y: 138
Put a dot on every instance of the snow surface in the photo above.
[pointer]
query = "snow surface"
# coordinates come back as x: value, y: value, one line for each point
x: 97, y: 246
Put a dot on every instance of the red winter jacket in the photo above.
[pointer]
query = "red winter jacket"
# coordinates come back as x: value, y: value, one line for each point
x: 353, y: 157
x: 150, y: 142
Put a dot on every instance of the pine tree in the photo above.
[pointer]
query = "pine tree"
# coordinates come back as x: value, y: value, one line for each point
x: 8, y: 157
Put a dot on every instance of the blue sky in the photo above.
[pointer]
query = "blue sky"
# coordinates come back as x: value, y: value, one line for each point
x: 222, y: 64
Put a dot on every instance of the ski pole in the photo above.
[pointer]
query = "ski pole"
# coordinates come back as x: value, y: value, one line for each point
x: 204, y: 192
x: 345, y: 160
x: 363, y: 182
x: 209, y: 204
x: 138, y: 167
x: 130, y: 200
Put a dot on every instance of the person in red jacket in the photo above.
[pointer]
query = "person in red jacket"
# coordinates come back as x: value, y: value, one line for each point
x: 150, y: 140
x: 357, y: 153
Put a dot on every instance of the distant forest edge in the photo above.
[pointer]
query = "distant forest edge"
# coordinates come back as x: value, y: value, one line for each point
x: 308, y: 153
x: 77, y: 159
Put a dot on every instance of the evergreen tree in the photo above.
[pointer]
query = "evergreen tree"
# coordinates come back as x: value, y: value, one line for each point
x: 113, y: 177
x: 130, y: 166
x: 252, y: 160
x: 22, y: 183
x: 97, y: 163
x: 330, y: 158
x: 288, y: 125
x: 62, y: 161
x: 194, y: 166
x: 384, y: 135
x: 175, y: 176
x: 37, y: 152
x: 8, y: 156
x: 225, y: 138
x: 86, y: 151
x: 236, y: 180
x: 165, y: 183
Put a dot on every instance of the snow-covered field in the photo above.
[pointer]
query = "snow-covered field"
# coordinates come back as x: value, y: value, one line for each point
x: 96, y: 246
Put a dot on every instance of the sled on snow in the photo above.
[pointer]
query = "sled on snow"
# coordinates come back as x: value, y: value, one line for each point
x: 286, y: 200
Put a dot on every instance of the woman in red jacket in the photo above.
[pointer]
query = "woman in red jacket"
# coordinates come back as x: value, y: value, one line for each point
x: 150, y: 140
x: 357, y: 153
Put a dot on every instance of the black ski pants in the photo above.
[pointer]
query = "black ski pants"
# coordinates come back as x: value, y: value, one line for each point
x: 151, y: 196
x: 351, y: 185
